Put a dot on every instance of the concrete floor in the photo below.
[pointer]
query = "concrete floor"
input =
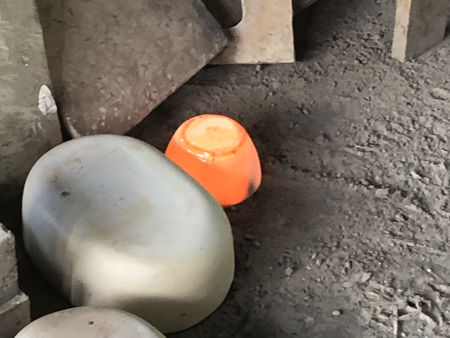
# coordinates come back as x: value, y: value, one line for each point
x: 349, y: 234
x: 350, y: 229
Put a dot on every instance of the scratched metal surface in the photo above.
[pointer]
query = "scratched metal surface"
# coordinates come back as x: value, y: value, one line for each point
x: 113, y: 62
x: 25, y: 132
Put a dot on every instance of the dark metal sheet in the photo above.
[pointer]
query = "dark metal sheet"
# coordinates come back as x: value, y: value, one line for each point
x: 112, y: 62
x: 26, y: 131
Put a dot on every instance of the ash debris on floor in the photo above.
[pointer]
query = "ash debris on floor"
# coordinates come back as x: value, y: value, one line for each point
x: 349, y: 234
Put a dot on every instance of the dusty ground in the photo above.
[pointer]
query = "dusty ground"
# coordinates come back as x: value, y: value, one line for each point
x: 349, y: 234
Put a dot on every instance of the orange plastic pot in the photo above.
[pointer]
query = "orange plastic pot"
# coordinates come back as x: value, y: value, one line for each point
x: 218, y: 152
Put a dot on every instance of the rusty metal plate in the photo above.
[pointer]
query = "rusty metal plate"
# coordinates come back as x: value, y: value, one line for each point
x: 112, y: 62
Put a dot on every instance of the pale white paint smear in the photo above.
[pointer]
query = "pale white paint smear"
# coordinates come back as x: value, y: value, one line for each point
x: 47, y: 104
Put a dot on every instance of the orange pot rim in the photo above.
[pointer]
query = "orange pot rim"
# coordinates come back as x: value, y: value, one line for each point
x: 243, y: 135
